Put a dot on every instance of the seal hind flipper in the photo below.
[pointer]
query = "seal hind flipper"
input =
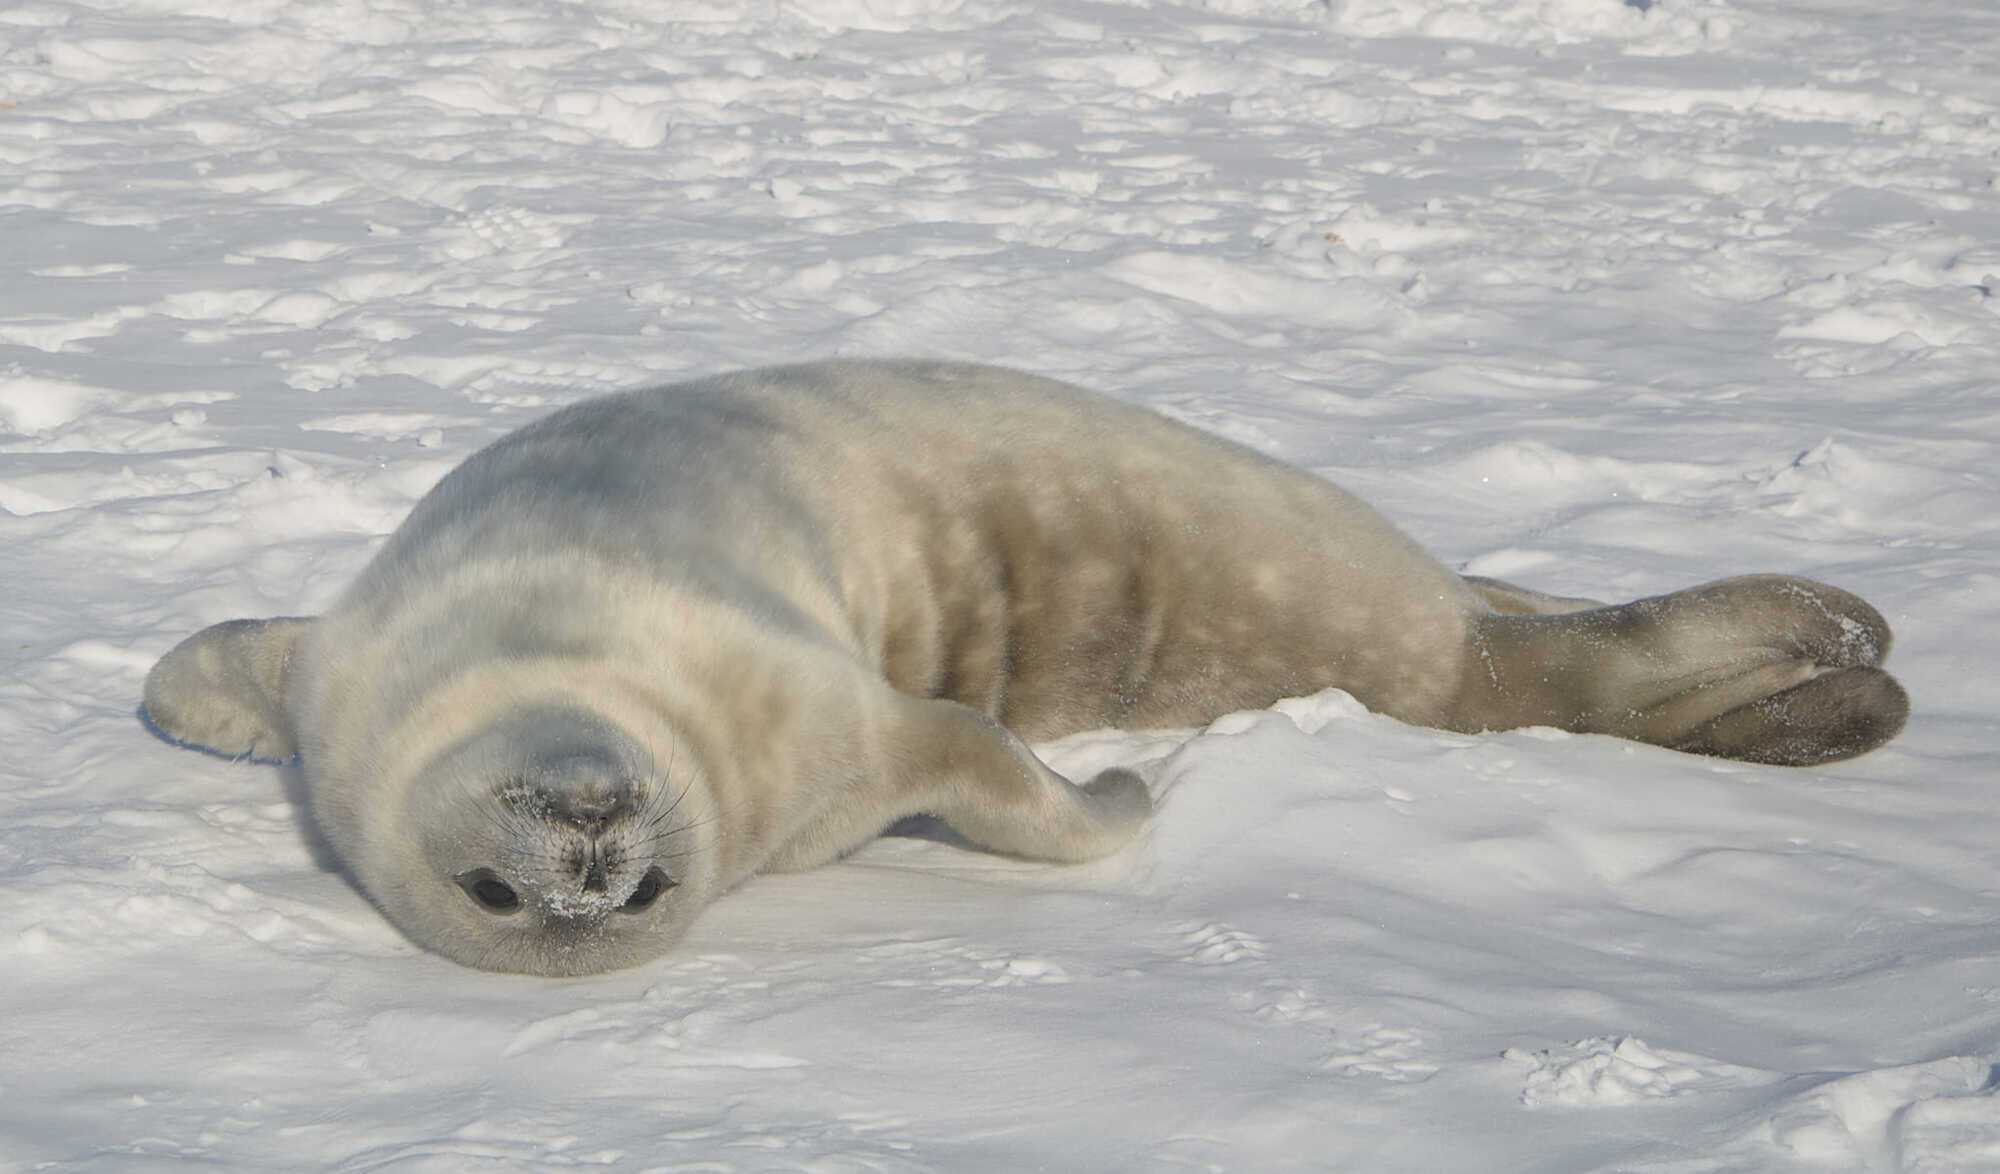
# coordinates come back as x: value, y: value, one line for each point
x: 1830, y: 717
x: 1764, y: 668
x: 223, y: 689
x: 987, y: 785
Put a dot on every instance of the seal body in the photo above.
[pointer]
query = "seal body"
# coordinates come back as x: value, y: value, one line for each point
x: 660, y: 641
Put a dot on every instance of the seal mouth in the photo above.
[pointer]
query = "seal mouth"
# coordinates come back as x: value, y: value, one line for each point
x: 596, y: 903
x: 577, y: 908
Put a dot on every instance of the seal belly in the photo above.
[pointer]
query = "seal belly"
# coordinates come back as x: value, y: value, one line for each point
x: 1093, y: 612
x: 1064, y: 562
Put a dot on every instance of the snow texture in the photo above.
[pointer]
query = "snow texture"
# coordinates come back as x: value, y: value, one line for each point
x: 1606, y: 296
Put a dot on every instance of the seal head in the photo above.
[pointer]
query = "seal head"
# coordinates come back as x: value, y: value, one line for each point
x: 547, y: 842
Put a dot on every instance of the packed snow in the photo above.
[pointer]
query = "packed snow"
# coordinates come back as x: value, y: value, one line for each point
x: 1608, y: 297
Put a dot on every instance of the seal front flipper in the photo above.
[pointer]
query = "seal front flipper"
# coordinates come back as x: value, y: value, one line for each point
x: 223, y: 688
x: 987, y: 785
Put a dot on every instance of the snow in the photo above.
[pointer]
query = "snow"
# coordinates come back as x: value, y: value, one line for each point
x: 1609, y: 297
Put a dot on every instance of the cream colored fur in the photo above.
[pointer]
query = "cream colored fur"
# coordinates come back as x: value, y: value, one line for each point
x: 746, y: 623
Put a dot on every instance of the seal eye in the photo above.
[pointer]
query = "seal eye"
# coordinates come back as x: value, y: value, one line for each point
x: 650, y: 887
x: 493, y: 894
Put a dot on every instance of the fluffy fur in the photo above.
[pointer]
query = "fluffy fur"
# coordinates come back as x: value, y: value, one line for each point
x: 653, y: 644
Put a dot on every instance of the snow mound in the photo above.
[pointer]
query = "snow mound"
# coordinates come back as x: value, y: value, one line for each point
x: 1611, y: 1070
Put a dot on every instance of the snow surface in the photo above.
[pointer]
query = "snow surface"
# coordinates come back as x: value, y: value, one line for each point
x: 1606, y: 296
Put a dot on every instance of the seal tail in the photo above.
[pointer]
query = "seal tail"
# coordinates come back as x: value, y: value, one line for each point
x: 1515, y: 600
x: 223, y: 689
x: 1763, y: 668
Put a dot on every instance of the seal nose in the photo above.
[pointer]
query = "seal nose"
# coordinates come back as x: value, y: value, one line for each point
x: 594, y: 879
x: 583, y: 788
x: 591, y: 808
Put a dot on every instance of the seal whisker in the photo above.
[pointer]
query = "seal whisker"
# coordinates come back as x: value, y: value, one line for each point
x: 661, y: 817
x: 666, y: 777
x: 661, y: 837
x: 496, y: 818
x: 714, y: 816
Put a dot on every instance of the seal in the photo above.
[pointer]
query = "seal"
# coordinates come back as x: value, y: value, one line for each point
x: 658, y: 642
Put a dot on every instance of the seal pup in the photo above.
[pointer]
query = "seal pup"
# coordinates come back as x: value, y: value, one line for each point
x: 657, y: 642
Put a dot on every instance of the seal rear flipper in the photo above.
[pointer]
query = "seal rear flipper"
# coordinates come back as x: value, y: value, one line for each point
x: 1830, y: 717
x: 987, y: 785
x: 223, y: 689
x: 1764, y: 668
